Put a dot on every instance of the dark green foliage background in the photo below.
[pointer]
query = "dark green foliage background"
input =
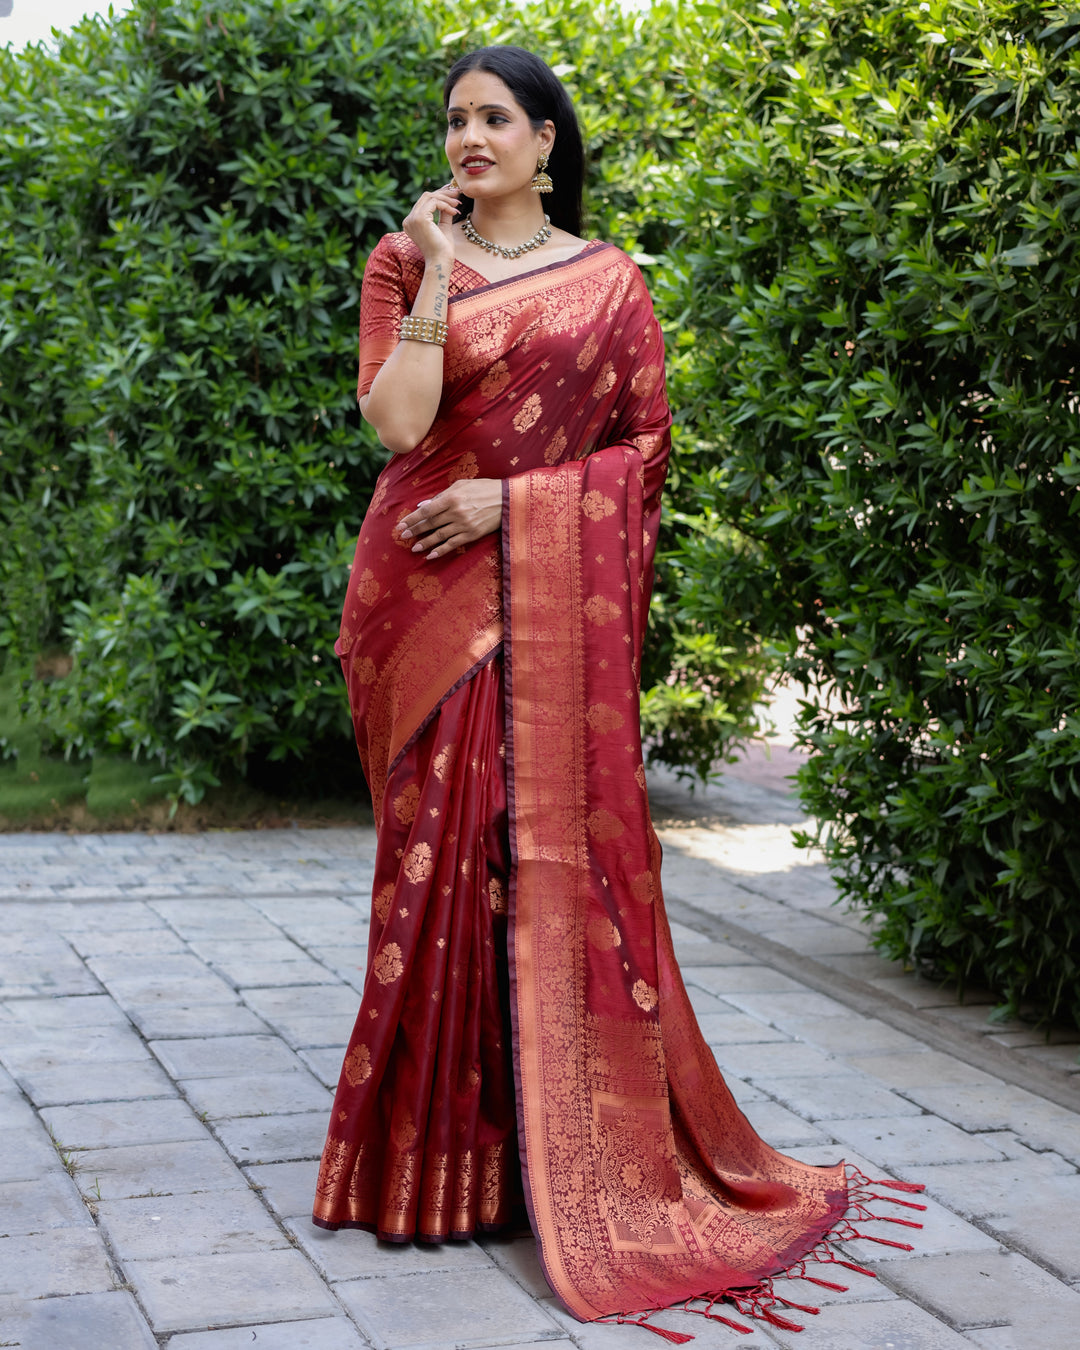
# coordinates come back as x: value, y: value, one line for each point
x: 886, y: 220
x: 190, y: 195
x: 859, y: 224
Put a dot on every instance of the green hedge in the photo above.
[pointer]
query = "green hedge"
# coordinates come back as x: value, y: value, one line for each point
x: 189, y: 197
x: 884, y: 275
x: 859, y: 226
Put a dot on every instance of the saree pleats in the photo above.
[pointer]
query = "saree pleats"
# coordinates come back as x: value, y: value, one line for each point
x: 426, y: 1086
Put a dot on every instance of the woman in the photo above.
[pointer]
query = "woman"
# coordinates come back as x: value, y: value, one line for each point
x: 524, y: 1031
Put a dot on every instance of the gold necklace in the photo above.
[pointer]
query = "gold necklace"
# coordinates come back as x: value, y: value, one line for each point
x: 542, y: 235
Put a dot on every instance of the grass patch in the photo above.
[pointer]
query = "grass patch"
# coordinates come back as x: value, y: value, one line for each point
x: 40, y: 791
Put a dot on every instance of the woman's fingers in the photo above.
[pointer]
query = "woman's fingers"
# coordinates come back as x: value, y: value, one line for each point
x: 433, y: 210
x: 466, y: 512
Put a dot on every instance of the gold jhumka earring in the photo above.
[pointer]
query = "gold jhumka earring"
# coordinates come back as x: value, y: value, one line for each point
x: 541, y: 179
x: 455, y: 184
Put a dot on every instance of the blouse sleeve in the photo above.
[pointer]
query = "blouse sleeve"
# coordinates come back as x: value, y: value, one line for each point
x: 383, y: 305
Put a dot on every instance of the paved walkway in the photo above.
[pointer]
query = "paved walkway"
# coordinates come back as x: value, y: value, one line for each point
x: 172, y: 1014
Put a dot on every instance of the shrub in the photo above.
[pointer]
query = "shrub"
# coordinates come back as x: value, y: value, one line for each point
x: 880, y: 244
x: 190, y: 195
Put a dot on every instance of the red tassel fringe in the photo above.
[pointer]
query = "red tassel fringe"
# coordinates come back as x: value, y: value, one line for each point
x: 759, y: 1303
x: 675, y: 1337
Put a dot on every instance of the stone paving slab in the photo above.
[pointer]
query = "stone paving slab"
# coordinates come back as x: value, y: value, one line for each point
x: 159, y: 1169
x: 351, y: 1254
x: 28, y: 1049
x: 875, y: 1326
x: 95, y: 1125
x: 203, y: 1224
x: 196, y: 1179
x: 1044, y: 1227
x: 160, y: 1020
x: 986, y: 1191
x: 125, y: 941
x: 192, y: 1293
x: 54, y: 1263
x: 105, y: 1321
x: 782, y: 1128
x: 324, y: 1064
x: 47, y: 1202
x: 328, y: 1333
x: 904, y: 1140
x: 270, y: 1139
x: 837, y: 1097
x: 979, y: 1289
x: 256, y: 1094
x: 69, y: 1013
x: 119, y: 1080
x: 27, y: 1150
x: 225, y: 1056
x: 288, y: 1188
x: 414, y: 1310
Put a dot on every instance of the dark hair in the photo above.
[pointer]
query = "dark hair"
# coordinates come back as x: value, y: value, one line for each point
x: 543, y: 97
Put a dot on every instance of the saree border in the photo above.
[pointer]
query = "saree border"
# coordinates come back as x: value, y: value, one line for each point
x: 531, y: 858
x: 593, y: 258
x: 589, y: 247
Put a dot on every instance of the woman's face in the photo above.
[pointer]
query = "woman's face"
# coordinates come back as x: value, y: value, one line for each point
x: 490, y: 142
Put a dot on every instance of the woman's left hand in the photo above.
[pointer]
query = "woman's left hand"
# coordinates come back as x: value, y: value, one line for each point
x: 466, y: 511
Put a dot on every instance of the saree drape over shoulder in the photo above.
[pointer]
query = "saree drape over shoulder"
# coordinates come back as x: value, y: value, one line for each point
x: 524, y: 1030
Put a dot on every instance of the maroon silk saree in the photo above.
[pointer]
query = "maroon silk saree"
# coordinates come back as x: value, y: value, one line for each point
x: 524, y: 1027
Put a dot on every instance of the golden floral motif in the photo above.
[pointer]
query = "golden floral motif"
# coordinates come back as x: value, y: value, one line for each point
x: 357, y: 1066
x: 418, y: 865
x: 587, y: 355
x: 600, y: 610
x: 604, y: 718
x: 647, y: 443
x: 645, y: 996
x: 388, y: 965
x: 365, y: 669
x: 345, y: 641
x: 406, y: 802
x: 643, y: 888
x: 404, y: 1131
x: 603, y: 934
x: 639, y: 776
x: 443, y: 762
x: 605, y: 381
x: 382, y: 902
x: 529, y: 413
x: 491, y: 1170
x: 604, y: 825
x: 596, y: 506
x: 554, y: 448
x: 496, y: 380
x: 466, y: 467
x: 497, y: 896
x: 368, y: 588
x: 379, y: 495
x: 424, y: 586
x: 395, y: 535
x: 645, y: 381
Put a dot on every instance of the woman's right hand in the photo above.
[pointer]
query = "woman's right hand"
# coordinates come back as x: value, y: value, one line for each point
x: 430, y: 223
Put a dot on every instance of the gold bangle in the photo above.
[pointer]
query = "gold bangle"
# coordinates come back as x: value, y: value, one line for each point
x: 414, y: 329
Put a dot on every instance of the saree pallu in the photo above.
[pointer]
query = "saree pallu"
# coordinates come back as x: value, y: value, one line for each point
x: 495, y: 695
